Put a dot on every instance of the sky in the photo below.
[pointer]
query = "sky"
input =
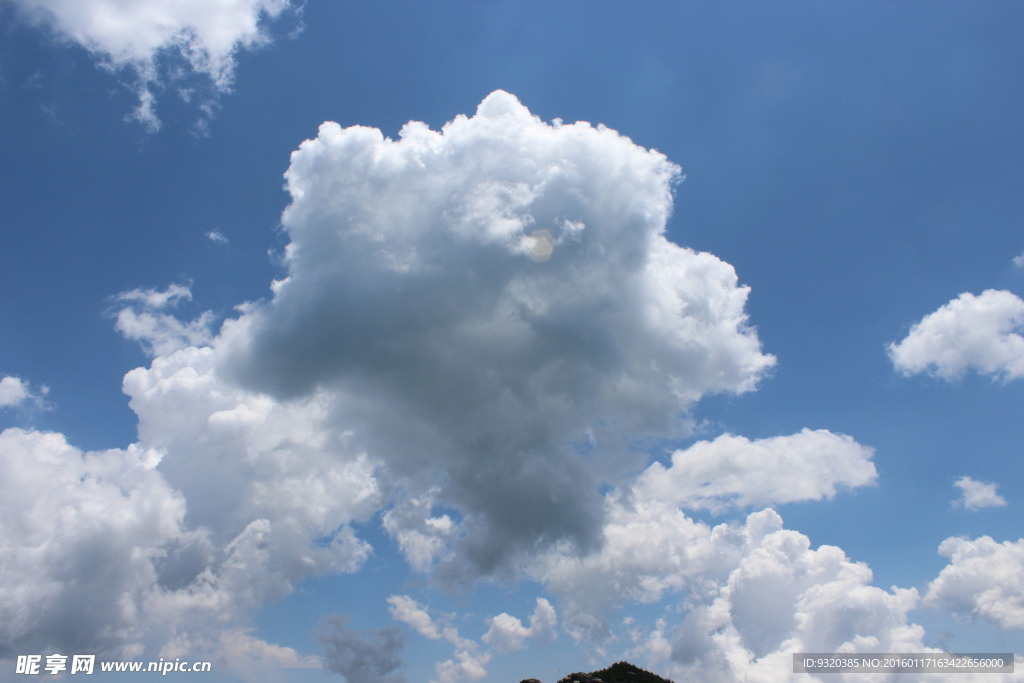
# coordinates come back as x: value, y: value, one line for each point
x: 459, y: 341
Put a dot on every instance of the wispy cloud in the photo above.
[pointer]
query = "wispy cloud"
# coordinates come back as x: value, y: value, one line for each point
x: 468, y: 662
x: 217, y: 237
x: 140, y: 40
x: 142, y: 318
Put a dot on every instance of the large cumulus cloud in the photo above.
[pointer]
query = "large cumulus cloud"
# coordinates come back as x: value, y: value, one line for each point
x: 83, y: 543
x: 168, y: 546
x: 160, y: 549
x: 786, y: 597
x: 496, y: 301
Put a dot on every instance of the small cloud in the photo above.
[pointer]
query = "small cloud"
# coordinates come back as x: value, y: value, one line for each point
x: 15, y: 392
x: 159, y: 333
x: 152, y: 298
x: 975, y: 495
x: 507, y: 634
x: 217, y: 237
x: 163, y: 42
x: 734, y: 472
x: 12, y: 391
x: 409, y: 612
x: 972, y: 332
x: 1018, y: 260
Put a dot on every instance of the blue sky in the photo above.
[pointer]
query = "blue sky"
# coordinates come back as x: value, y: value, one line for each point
x: 528, y: 397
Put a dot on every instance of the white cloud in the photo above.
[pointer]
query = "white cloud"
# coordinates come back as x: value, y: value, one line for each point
x: 975, y: 495
x: 17, y: 393
x: 981, y: 333
x: 13, y: 392
x: 1018, y: 260
x: 415, y: 294
x: 733, y: 471
x: 217, y: 237
x: 650, y: 549
x: 82, y: 568
x: 421, y: 537
x: 148, y: 39
x: 784, y: 597
x: 227, y: 501
x: 507, y: 634
x: 983, y: 579
x: 409, y: 612
x: 154, y: 298
x: 751, y: 594
x: 253, y: 659
x: 110, y: 563
x: 159, y: 333
x: 240, y: 457
x: 467, y: 663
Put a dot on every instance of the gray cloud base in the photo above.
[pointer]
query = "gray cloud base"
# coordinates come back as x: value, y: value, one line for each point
x: 415, y: 294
